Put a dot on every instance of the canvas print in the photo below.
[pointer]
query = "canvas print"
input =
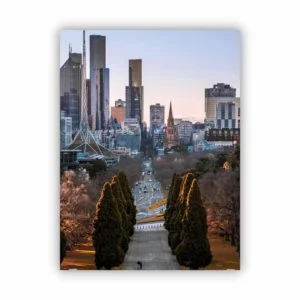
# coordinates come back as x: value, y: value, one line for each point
x: 150, y: 149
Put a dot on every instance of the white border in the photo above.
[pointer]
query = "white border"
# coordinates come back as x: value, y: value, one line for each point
x: 270, y: 102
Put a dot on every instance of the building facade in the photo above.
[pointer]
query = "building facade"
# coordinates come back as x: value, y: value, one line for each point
x: 225, y: 94
x: 130, y: 136
x: 226, y: 115
x: 65, y: 132
x: 225, y: 134
x: 197, y: 139
x: 118, y: 113
x: 135, y: 91
x: 104, y: 98
x: 158, y: 137
x: 99, y: 83
x: 70, y: 89
x: 157, y: 117
x: 184, y: 132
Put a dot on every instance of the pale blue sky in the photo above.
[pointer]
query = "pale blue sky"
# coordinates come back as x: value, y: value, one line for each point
x: 177, y: 64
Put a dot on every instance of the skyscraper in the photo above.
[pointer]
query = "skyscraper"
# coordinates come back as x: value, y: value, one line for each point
x: 221, y: 103
x: 135, y: 92
x: 104, y: 98
x: 70, y: 88
x: 99, y: 82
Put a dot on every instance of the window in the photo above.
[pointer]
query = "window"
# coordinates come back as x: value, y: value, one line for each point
x: 233, y: 123
x: 222, y: 111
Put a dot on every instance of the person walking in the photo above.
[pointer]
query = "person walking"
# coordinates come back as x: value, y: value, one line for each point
x: 140, y: 265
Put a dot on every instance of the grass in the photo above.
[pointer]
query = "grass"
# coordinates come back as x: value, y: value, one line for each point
x: 224, y: 257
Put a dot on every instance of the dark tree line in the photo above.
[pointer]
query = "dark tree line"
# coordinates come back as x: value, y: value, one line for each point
x: 114, y: 222
x: 166, y: 166
x: 185, y: 219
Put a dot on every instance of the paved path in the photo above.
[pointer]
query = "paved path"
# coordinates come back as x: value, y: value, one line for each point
x: 152, y: 249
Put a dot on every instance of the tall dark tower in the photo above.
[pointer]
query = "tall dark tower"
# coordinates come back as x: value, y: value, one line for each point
x: 135, y: 92
x: 99, y: 83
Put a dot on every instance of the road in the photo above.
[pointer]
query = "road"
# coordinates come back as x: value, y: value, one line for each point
x: 152, y: 249
x: 146, y: 191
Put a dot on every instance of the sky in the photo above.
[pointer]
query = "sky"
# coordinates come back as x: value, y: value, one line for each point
x: 177, y: 65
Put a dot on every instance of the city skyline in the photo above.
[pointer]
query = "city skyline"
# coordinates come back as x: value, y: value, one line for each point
x: 177, y: 64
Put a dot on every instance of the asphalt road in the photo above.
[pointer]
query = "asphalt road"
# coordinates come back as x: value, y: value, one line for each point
x: 152, y: 249
x: 146, y: 191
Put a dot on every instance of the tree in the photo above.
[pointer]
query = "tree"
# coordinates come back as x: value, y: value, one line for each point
x: 100, y: 165
x: 63, y: 244
x: 206, y: 164
x: 221, y: 193
x: 175, y: 234
x: 76, y: 208
x: 169, y: 201
x: 194, y: 249
x: 107, y: 234
x: 129, y: 226
x: 119, y: 198
x: 131, y: 209
x: 132, y: 168
x: 172, y: 200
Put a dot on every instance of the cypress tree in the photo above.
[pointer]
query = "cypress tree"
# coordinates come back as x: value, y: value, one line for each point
x: 168, y: 204
x: 194, y: 249
x: 171, y: 201
x: 107, y: 234
x: 115, y: 188
x: 127, y: 208
x: 131, y: 209
x: 176, y: 221
x: 171, y: 222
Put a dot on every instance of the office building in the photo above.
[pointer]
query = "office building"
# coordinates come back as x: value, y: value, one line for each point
x: 135, y: 92
x: 184, y: 132
x: 99, y: 83
x: 225, y: 94
x: 157, y: 117
x: 70, y: 88
x: 118, y: 112
x: 104, y: 98
x: 226, y: 115
x: 65, y: 132
x: 197, y: 139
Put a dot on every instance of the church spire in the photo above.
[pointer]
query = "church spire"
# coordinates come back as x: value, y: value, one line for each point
x: 170, y: 118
